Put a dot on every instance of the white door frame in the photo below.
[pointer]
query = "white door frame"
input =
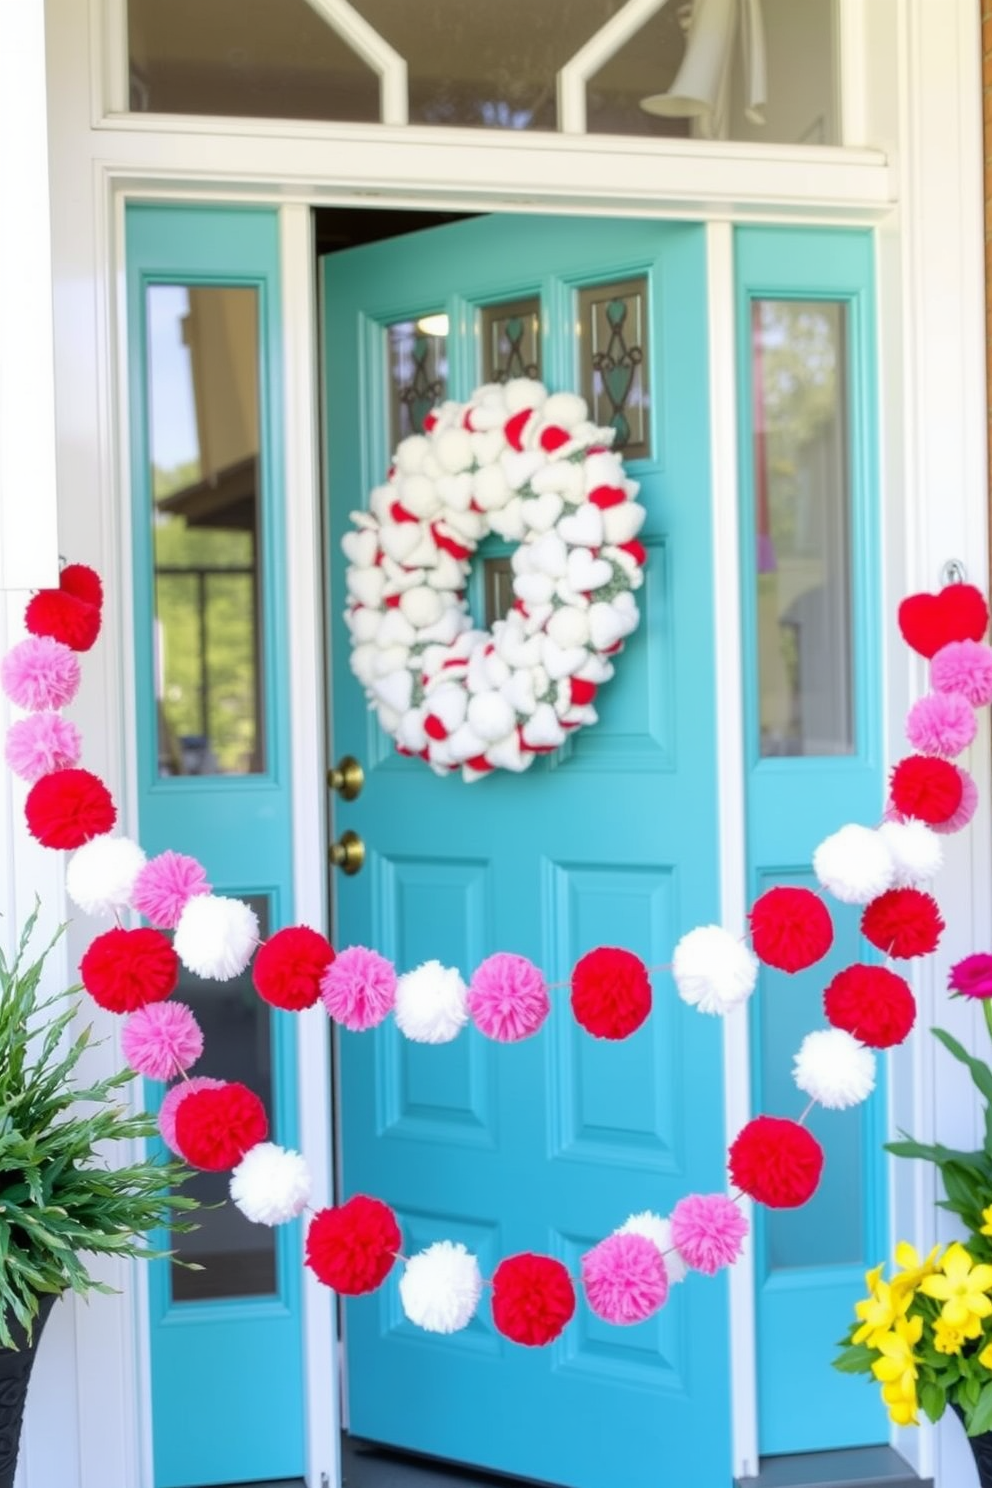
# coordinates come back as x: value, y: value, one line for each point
x: 932, y: 367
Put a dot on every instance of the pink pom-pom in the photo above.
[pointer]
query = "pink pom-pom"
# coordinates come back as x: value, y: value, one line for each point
x: 41, y: 743
x: 941, y: 723
x: 707, y: 1231
x: 358, y: 989
x: 507, y: 997
x: 171, y: 1102
x: 161, y: 1040
x: 967, y: 808
x: 964, y: 667
x: 40, y: 673
x: 165, y: 886
x: 625, y: 1279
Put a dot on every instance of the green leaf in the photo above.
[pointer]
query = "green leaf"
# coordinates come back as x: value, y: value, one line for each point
x: 857, y: 1359
x: 981, y: 1417
x: 933, y: 1399
x: 980, y: 1073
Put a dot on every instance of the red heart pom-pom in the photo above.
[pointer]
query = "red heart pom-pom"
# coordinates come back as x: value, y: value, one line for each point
x: 126, y: 969
x: 82, y: 582
x: 903, y: 923
x: 776, y: 1162
x: 353, y: 1246
x: 791, y: 928
x: 611, y: 992
x: 929, y: 622
x: 67, y: 808
x: 216, y: 1127
x: 533, y: 1298
x: 289, y: 966
x: 52, y: 612
x: 871, y: 1003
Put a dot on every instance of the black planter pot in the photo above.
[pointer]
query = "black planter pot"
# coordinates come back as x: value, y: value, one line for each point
x: 15, y: 1372
x: 981, y: 1450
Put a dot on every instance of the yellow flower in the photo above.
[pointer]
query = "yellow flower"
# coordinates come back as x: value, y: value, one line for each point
x: 913, y: 1268
x: 961, y: 1286
x: 987, y: 1221
x: 949, y: 1340
x: 901, y: 1404
x: 880, y: 1312
x: 985, y: 1357
x: 898, y: 1362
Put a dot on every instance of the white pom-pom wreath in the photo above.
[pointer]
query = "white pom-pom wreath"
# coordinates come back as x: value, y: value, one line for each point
x: 834, y: 1069
x: 271, y: 1184
x: 653, y: 1227
x: 440, y: 1287
x: 854, y: 864
x: 100, y: 875
x: 713, y: 970
x: 916, y: 851
x: 533, y: 469
x: 431, y: 1004
x: 216, y: 937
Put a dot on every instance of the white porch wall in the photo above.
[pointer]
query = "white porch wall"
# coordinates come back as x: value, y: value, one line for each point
x: 921, y: 58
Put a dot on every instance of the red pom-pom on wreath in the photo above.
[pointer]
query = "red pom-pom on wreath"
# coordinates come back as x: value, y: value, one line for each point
x: 289, y: 966
x: 53, y: 612
x: 929, y: 622
x: 926, y: 787
x: 791, y: 928
x: 533, y: 1298
x: 126, y: 969
x: 872, y: 1003
x: 352, y: 1247
x: 68, y: 807
x: 611, y: 992
x: 82, y: 582
x: 776, y: 1162
x: 903, y: 923
x: 216, y: 1127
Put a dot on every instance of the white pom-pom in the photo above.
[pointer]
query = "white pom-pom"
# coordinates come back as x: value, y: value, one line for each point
x: 100, y: 876
x: 431, y: 1004
x: 713, y: 970
x: 440, y: 1287
x: 216, y: 937
x: 454, y: 451
x: 834, y: 1069
x: 653, y: 1227
x: 271, y: 1184
x: 854, y: 864
x: 917, y: 854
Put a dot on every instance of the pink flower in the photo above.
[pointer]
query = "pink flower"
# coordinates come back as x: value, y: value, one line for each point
x: 707, y: 1231
x: 165, y: 886
x: 40, y: 673
x: 972, y: 976
x: 161, y: 1040
x: 358, y: 989
x: 507, y: 997
x: 625, y: 1279
x: 171, y: 1102
x: 41, y: 743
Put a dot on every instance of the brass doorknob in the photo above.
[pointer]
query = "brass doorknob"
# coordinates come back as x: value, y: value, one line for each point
x: 347, y: 778
x: 348, y: 854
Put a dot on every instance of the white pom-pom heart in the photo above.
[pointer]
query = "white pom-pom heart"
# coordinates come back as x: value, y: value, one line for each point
x: 548, y: 555
x: 533, y: 588
x: 410, y: 731
x: 456, y: 491
x: 854, y: 864
x: 606, y: 626
x: 833, y: 1069
x: 271, y: 1184
x: 583, y: 527
x: 569, y: 626
x: 519, y: 465
x: 658, y: 1230
x: 398, y: 540
x: 411, y: 454
x: 418, y: 495
x: 586, y: 573
x: 519, y: 691
x: 490, y: 715
x: 561, y: 661
x: 395, y: 629
x: 448, y: 703
x: 713, y: 970
x: 363, y: 624
x: 360, y: 547
x: 508, y: 522
x: 440, y: 1287
x: 366, y: 585
x: 565, y: 409
x: 100, y: 876
x: 542, y: 512
x: 431, y: 1004
x: 917, y: 854
x: 216, y: 937
x: 491, y: 488
x: 395, y: 690
x: 623, y: 522
x: 542, y: 729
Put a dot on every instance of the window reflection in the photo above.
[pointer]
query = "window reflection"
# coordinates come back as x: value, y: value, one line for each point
x: 802, y: 521
x: 203, y: 396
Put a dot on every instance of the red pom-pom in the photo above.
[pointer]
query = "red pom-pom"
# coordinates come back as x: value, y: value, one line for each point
x: 903, y: 923
x: 931, y: 621
x: 82, y: 582
x: 72, y: 621
x: 68, y: 807
x: 606, y: 496
x: 790, y: 928
x: 776, y: 1162
x: 514, y: 427
x: 872, y: 1003
x: 289, y: 966
x: 581, y: 691
x: 352, y: 1248
x: 553, y: 437
x: 533, y: 1298
x: 611, y: 992
x: 216, y: 1127
x: 126, y: 969
x: 926, y: 787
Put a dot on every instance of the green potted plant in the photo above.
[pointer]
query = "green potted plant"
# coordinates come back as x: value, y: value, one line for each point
x: 62, y: 1198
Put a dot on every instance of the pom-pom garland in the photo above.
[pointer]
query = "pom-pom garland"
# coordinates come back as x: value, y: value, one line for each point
x: 40, y: 672
x: 926, y: 787
x: 611, y: 992
x: 100, y: 875
x: 40, y: 744
x: 431, y: 1004
x: 162, y: 1040
x: 289, y: 966
x: 358, y: 989
x: 964, y: 667
x: 972, y: 976
x: 708, y: 1231
x: 215, y: 1127
x: 165, y: 886
x: 624, y: 1279
x: 791, y: 928
x: 216, y: 936
x: 712, y: 970
x: 533, y: 1299
x: 874, y: 1004
x: 441, y: 1287
x: 507, y: 998
x: 68, y: 808
x: 903, y: 923
x: 834, y: 1069
x: 171, y: 1102
x: 351, y: 1248
x: 776, y: 1162
x: 854, y: 864
x: 126, y: 969
x: 271, y: 1184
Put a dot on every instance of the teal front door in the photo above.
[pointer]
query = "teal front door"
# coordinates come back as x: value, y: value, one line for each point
x: 548, y: 1145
